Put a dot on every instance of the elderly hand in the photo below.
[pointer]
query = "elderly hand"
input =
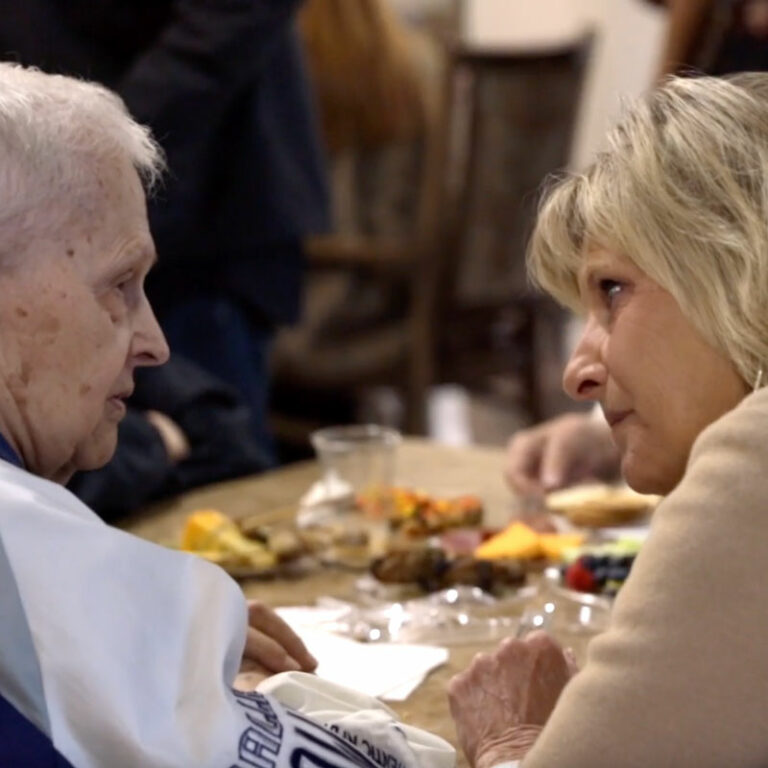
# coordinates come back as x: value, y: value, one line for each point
x: 272, y: 645
x: 501, y: 702
x: 565, y: 450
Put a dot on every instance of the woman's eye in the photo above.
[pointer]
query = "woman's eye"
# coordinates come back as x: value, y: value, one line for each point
x: 610, y: 290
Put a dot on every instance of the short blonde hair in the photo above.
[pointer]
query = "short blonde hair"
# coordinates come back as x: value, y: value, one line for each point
x: 56, y: 134
x: 682, y: 191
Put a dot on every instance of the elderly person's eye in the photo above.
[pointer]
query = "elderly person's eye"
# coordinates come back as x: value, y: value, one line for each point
x: 126, y: 283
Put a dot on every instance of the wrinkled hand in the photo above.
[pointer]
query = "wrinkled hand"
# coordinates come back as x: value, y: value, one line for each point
x: 565, y: 450
x: 501, y: 702
x: 271, y: 645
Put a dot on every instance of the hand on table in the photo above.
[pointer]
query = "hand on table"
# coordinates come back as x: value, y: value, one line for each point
x: 559, y: 452
x: 271, y: 645
x: 500, y: 703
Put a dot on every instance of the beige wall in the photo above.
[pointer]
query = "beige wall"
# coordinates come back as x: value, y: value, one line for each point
x: 628, y: 45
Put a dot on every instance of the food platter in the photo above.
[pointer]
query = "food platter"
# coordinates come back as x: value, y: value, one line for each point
x: 412, y: 539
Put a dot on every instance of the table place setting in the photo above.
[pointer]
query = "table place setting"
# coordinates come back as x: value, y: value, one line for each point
x: 390, y: 671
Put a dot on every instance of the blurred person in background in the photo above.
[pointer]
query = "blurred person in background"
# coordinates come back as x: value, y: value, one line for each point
x: 715, y: 37
x: 183, y: 428
x: 377, y: 84
x: 222, y: 86
x: 568, y: 449
x: 373, y: 108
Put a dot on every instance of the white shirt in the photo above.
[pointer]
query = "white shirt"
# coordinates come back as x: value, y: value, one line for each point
x: 124, y: 652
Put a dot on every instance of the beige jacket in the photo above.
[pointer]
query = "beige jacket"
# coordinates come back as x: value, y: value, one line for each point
x: 681, y: 677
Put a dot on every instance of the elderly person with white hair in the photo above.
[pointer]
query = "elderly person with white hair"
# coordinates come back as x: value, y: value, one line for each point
x: 113, y: 651
x: 663, y: 246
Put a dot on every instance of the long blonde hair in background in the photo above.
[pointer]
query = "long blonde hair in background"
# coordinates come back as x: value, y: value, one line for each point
x: 363, y: 71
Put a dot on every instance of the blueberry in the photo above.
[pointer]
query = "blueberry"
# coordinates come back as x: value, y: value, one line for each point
x: 601, y: 574
x: 618, y: 573
x: 588, y: 561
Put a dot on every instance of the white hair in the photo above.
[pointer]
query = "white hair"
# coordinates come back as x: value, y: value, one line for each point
x: 56, y: 134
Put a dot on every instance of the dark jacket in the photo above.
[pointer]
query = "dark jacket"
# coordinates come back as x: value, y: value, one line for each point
x: 221, y: 83
x: 214, y: 420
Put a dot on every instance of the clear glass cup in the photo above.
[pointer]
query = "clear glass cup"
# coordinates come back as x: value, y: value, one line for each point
x: 360, y: 457
x: 573, y: 618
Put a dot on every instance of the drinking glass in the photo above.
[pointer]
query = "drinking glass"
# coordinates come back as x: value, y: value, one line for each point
x: 360, y: 457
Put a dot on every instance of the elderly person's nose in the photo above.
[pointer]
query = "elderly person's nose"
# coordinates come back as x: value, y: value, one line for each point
x: 585, y: 374
x: 149, y: 344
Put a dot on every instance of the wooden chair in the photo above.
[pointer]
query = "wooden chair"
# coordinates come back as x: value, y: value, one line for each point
x: 462, y: 311
x: 512, y: 119
x: 344, y: 354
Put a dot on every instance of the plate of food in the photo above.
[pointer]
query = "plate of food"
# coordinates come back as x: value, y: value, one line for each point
x: 597, y: 505
x: 243, y: 548
x: 353, y: 535
x: 415, y: 513
x: 432, y: 568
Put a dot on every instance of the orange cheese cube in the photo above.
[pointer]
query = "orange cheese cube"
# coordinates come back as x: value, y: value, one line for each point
x: 204, y: 528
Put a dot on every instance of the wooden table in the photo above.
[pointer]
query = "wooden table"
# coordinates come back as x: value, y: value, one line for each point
x: 428, y: 466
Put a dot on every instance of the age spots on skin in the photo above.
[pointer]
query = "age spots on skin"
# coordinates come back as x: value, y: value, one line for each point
x: 71, y: 252
x: 85, y: 388
x: 49, y: 325
x: 21, y: 312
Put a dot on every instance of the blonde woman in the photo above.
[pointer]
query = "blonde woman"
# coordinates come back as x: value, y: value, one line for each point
x: 703, y: 36
x: 663, y: 246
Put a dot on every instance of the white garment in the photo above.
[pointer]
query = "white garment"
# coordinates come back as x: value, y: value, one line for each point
x: 124, y: 652
x: 362, y: 719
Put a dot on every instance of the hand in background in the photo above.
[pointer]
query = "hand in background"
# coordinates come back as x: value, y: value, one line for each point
x: 273, y: 645
x: 174, y: 439
x: 500, y: 703
x: 568, y: 449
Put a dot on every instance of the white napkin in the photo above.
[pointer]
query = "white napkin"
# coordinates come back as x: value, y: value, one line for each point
x: 391, y: 671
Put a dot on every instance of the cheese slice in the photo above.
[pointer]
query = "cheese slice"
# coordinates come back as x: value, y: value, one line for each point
x: 216, y: 537
x: 517, y: 540
x: 520, y: 541
x: 554, y: 545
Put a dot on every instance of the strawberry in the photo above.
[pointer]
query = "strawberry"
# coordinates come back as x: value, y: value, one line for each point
x: 579, y: 577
